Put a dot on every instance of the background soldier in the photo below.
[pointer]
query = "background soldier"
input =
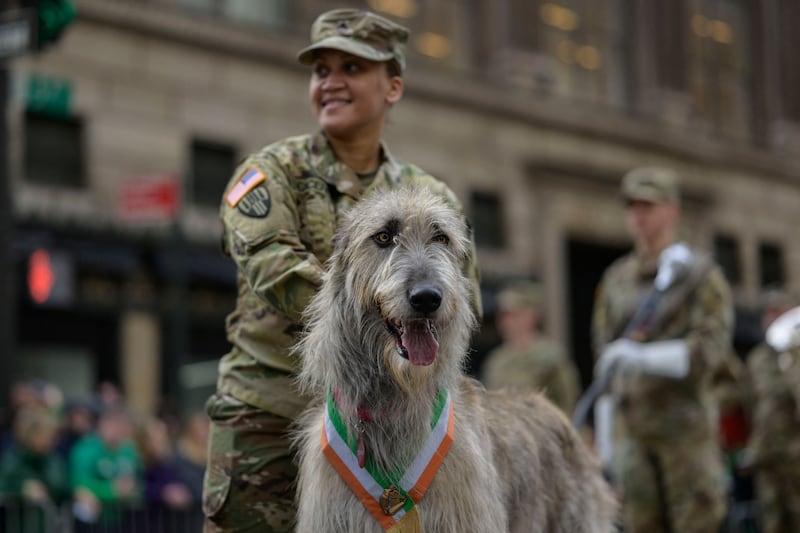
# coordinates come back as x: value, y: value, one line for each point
x: 662, y: 324
x: 526, y: 358
x: 279, y: 214
x: 774, y: 446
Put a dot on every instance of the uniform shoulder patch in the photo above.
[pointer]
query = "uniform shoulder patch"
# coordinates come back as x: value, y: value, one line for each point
x: 256, y: 203
x: 244, y: 185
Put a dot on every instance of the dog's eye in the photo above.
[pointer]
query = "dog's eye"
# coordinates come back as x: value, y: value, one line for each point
x: 441, y: 238
x: 382, y: 239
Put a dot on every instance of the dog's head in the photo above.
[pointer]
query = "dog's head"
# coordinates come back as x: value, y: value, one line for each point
x: 396, y: 282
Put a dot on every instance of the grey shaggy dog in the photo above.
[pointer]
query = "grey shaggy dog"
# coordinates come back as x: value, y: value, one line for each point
x: 388, y: 331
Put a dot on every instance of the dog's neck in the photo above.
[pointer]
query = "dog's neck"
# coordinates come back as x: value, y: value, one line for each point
x: 388, y: 437
x: 386, y: 403
x: 361, y: 413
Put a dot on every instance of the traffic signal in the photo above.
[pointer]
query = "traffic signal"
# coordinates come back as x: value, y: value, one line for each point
x: 52, y: 18
x: 51, y: 278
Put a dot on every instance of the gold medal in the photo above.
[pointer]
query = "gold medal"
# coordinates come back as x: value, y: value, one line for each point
x: 410, y: 523
x: 392, y: 500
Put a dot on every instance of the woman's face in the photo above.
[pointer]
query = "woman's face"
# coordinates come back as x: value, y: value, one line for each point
x: 350, y: 95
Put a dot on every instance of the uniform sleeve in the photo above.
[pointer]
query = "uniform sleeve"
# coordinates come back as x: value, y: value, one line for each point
x: 566, y: 381
x: 711, y: 325
x: 791, y: 374
x: 261, y: 234
x: 601, y: 330
x: 561, y: 379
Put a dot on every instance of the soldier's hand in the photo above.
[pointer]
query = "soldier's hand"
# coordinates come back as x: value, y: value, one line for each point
x: 673, y: 263
x: 618, y: 353
x: 663, y: 358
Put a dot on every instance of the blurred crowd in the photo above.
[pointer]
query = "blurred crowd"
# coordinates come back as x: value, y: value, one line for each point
x: 97, y: 458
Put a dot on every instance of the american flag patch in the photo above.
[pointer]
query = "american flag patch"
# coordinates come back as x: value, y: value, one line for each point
x: 251, y: 178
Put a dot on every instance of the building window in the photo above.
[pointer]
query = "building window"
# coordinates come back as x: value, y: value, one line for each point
x: 789, y: 42
x: 524, y: 25
x: 260, y: 12
x: 434, y: 24
x: 669, y: 23
x: 211, y: 166
x: 570, y: 47
x: 53, y: 152
x: 770, y: 262
x: 726, y: 252
x: 486, y: 214
x: 719, y: 62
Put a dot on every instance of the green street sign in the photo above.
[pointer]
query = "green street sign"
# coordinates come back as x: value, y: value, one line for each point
x: 54, y: 17
x: 51, y: 96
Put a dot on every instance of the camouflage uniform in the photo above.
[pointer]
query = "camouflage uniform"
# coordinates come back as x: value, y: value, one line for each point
x: 280, y: 235
x: 543, y: 366
x: 667, y: 465
x: 790, y: 365
x: 775, y: 441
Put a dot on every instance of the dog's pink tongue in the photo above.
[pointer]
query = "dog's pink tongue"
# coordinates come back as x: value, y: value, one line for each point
x: 419, y: 342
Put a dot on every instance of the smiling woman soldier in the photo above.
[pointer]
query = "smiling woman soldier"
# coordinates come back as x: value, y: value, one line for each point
x: 279, y: 212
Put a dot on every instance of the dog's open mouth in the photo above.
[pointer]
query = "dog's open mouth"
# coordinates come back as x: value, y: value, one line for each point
x: 416, y: 340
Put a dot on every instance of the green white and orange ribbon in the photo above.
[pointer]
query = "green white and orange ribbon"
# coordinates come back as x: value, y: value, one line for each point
x: 369, y: 484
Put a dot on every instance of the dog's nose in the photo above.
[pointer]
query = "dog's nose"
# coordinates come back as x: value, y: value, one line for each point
x: 425, y: 299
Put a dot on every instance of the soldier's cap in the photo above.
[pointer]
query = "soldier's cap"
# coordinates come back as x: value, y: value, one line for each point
x: 358, y: 32
x: 520, y: 295
x: 651, y: 184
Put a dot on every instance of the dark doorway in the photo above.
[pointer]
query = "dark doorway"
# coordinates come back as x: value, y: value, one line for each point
x: 74, y: 349
x: 586, y: 260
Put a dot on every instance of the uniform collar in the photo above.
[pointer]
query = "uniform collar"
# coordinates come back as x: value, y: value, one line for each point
x: 646, y: 267
x: 341, y: 177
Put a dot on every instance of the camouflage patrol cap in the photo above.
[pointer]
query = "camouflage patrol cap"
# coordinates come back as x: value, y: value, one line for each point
x: 519, y: 295
x: 358, y: 32
x: 651, y: 184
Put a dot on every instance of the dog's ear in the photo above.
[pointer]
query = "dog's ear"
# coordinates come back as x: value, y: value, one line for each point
x: 469, y: 241
x: 340, y: 241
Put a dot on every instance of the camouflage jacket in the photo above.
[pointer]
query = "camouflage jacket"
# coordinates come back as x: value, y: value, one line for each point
x: 279, y: 214
x: 653, y: 405
x: 775, y: 437
x: 789, y: 363
x: 544, y: 366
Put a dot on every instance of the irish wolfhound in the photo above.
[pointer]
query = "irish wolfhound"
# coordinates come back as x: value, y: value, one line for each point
x: 402, y: 440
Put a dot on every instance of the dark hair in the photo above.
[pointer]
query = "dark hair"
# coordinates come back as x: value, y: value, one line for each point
x: 393, y: 69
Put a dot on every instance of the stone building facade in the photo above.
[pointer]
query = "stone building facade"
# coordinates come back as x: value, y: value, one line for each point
x: 530, y: 110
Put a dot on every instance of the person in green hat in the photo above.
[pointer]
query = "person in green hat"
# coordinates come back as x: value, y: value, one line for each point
x: 279, y: 212
x: 662, y: 328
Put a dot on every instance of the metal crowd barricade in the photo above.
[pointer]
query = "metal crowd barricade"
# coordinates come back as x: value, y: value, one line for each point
x: 17, y: 516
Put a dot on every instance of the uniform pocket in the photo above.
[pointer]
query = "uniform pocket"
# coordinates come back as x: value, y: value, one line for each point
x: 217, y: 478
x: 216, y: 486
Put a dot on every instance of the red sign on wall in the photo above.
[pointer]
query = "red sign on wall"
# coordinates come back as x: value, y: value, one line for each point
x: 149, y: 199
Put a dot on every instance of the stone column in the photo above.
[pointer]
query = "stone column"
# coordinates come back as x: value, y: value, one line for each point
x: 140, y: 362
